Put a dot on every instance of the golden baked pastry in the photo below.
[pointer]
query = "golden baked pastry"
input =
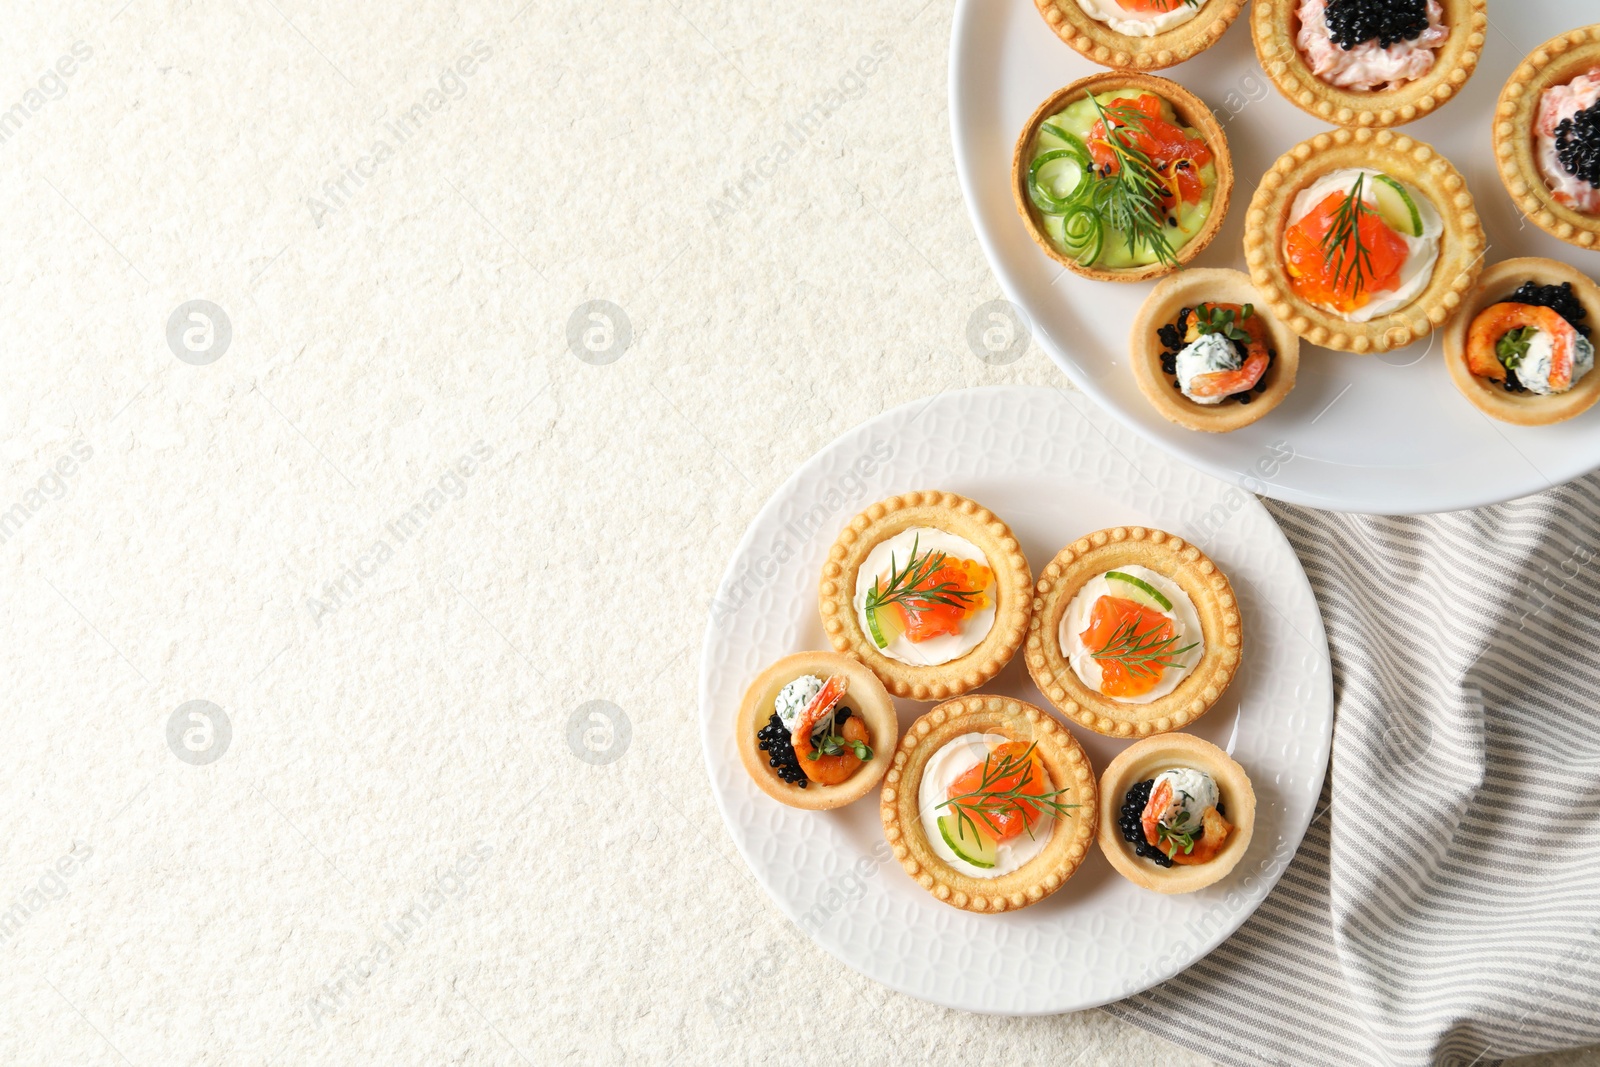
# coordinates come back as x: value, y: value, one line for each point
x: 1197, y: 223
x: 1051, y: 858
x: 1098, y: 42
x: 869, y: 704
x: 1275, y: 28
x: 1202, y: 289
x: 889, y: 564
x: 1554, y: 63
x: 1145, y: 761
x: 1491, y: 397
x: 1147, y: 567
x: 1415, y: 165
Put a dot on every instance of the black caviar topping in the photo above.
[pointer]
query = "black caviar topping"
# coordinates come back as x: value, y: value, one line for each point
x: 774, y: 740
x: 1578, y: 144
x: 1558, y: 298
x: 1132, y: 830
x: 1353, y: 22
x: 1172, y: 342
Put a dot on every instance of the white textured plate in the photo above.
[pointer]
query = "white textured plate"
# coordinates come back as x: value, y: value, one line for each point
x: 1054, y: 469
x: 1385, y: 434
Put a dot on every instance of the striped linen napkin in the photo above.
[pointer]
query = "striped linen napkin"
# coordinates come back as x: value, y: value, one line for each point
x: 1445, y: 906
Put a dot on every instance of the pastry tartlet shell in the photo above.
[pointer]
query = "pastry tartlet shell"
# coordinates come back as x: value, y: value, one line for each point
x: 1189, y: 109
x: 954, y: 514
x: 1099, y: 43
x: 1064, y: 761
x: 1207, y: 587
x: 1555, y: 62
x: 866, y: 696
x: 1148, y: 758
x: 1275, y: 25
x: 1190, y: 288
x: 1417, y: 164
x: 1521, y: 409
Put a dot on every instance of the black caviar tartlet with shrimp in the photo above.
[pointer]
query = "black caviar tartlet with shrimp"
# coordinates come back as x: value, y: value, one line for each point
x: 1209, y: 354
x: 812, y: 727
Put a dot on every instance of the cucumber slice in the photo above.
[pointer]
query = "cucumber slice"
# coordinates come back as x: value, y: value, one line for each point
x: 980, y: 853
x: 1396, y: 207
x: 877, y: 634
x: 883, y: 626
x: 1139, y: 591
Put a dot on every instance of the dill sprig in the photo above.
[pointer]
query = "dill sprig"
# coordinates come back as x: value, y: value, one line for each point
x: 1142, y: 653
x: 1128, y: 199
x: 989, y: 799
x: 902, y: 587
x: 1343, y: 244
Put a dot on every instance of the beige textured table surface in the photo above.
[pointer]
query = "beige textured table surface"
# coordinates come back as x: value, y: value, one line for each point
x: 398, y: 534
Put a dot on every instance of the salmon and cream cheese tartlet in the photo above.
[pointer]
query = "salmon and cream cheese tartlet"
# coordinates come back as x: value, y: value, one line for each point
x: 1361, y: 243
x: 990, y: 804
x: 1135, y: 632
x: 1139, y: 35
x: 929, y: 590
x: 1141, y: 18
x: 1367, y: 239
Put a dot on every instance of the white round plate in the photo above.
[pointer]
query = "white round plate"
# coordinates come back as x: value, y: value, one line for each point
x: 1387, y: 434
x: 1054, y: 469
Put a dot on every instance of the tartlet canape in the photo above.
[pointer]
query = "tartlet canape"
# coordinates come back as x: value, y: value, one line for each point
x: 930, y: 590
x: 999, y: 782
x: 1369, y: 62
x: 1547, y: 136
x: 1207, y: 352
x: 1176, y: 813
x: 816, y: 730
x: 1522, y: 348
x: 1134, y: 632
x: 1139, y: 34
x: 1119, y: 146
x: 1363, y: 240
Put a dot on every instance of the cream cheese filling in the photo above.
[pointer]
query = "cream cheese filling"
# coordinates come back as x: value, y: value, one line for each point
x: 1139, y: 24
x: 1422, y: 252
x: 953, y: 760
x: 935, y: 650
x: 1185, y: 625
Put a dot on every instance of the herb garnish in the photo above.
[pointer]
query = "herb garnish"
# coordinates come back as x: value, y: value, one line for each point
x: 1221, y: 320
x: 1142, y: 653
x: 903, y: 582
x: 1513, y: 346
x: 989, y: 800
x: 1180, y: 834
x: 1343, y: 244
x: 1129, y: 198
x: 832, y: 744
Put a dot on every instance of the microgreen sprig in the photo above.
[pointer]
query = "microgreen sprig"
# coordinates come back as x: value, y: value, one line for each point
x: 827, y: 741
x: 1142, y: 653
x: 1513, y: 346
x: 1221, y: 320
x: 1344, y: 245
x: 990, y: 799
x: 1179, y: 835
